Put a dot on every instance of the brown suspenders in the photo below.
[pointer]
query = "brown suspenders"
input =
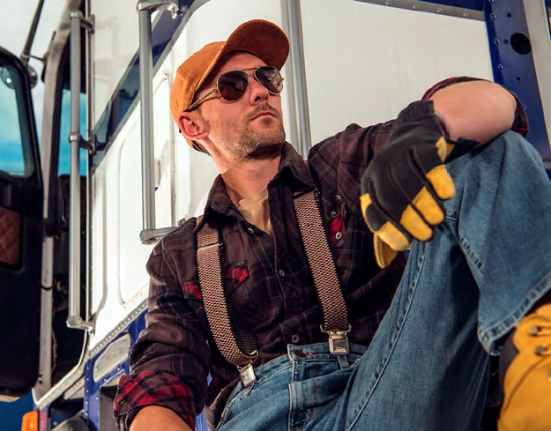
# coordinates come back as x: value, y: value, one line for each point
x: 230, y: 337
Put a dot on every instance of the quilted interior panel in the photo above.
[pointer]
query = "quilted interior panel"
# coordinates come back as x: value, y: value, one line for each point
x: 10, y: 237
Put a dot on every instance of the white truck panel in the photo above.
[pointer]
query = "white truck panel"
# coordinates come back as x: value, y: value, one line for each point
x: 366, y: 62
x: 116, y: 41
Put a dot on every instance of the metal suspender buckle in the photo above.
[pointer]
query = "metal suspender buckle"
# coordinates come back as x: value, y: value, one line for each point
x: 247, y: 375
x: 338, y: 341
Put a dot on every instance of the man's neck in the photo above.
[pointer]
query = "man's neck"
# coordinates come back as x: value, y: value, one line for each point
x: 245, y: 179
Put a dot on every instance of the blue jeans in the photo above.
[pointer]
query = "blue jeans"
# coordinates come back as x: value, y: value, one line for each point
x: 427, y: 367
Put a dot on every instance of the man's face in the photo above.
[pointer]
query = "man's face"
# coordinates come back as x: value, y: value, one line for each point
x: 251, y: 127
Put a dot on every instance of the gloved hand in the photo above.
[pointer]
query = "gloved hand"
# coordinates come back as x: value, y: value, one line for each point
x: 404, y: 185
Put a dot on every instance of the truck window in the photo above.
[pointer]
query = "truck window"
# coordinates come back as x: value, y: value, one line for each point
x: 12, y: 156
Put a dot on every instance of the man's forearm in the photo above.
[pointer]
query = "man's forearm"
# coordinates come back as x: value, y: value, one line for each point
x: 480, y: 110
x: 156, y: 418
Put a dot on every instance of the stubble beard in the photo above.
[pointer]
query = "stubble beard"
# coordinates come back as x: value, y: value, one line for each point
x: 253, y: 144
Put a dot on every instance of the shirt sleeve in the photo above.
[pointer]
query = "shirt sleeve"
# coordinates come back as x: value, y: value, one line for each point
x: 520, y: 125
x: 170, y: 360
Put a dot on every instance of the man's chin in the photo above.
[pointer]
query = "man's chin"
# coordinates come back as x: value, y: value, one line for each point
x: 265, y: 150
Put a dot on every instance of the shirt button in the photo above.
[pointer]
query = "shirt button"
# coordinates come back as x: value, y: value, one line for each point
x: 338, y: 199
x: 282, y: 273
x: 250, y: 230
x: 338, y: 235
x: 333, y: 214
x: 295, y: 339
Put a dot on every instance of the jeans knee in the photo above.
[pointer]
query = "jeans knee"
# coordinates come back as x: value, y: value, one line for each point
x: 508, y: 152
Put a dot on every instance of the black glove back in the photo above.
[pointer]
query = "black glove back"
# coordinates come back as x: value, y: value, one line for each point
x: 403, y: 186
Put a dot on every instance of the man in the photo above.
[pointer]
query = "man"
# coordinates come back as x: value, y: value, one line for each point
x: 471, y: 272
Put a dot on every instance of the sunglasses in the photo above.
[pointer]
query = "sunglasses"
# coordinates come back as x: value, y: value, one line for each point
x: 232, y: 85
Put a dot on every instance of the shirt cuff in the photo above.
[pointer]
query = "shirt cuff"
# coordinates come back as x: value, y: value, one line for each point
x: 152, y: 388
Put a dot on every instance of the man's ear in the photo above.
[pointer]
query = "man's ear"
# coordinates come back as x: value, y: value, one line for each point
x: 193, y: 126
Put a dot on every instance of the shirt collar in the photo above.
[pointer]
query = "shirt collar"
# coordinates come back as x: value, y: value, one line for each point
x: 292, y: 171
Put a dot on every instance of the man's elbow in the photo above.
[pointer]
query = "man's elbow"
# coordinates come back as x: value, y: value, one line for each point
x: 481, y: 110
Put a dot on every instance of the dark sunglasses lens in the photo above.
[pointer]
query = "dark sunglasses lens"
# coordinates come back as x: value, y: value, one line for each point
x: 270, y: 78
x: 232, y: 85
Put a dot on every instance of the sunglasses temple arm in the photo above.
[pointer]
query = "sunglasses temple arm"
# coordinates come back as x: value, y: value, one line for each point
x: 193, y: 105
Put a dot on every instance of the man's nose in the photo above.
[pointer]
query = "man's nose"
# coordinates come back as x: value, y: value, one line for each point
x: 258, y: 93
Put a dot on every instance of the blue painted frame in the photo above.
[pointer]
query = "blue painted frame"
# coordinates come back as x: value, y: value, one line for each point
x: 515, y: 71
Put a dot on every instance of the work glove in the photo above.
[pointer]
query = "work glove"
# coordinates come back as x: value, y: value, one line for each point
x: 404, y: 185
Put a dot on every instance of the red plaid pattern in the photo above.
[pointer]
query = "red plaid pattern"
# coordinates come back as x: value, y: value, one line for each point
x: 151, y: 388
x: 192, y: 290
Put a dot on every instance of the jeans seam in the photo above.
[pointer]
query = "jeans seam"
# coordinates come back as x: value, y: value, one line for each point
x: 393, y: 343
x: 467, y: 251
x: 291, y: 416
x: 505, y: 325
x: 269, y: 377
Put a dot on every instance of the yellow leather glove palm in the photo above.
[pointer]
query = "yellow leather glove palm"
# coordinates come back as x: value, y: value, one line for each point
x: 403, y: 186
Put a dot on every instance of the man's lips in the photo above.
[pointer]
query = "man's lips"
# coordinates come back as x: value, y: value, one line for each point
x: 264, y: 114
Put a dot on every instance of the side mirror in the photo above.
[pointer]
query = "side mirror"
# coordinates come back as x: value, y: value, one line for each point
x: 7, y: 77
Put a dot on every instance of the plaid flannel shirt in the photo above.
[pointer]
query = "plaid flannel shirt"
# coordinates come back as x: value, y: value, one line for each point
x: 267, y: 279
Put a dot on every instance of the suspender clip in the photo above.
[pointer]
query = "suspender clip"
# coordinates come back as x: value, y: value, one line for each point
x: 247, y: 375
x: 338, y: 341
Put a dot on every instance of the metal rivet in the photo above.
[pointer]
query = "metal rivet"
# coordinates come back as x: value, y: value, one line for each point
x: 333, y: 214
x: 439, y: 10
x: 295, y: 338
x: 282, y: 273
x: 496, y: 41
x: 415, y: 7
x: 493, y: 16
x: 533, y: 330
x: 338, y: 235
x: 539, y: 350
x: 466, y: 15
x: 500, y: 66
x: 250, y: 230
x: 338, y: 199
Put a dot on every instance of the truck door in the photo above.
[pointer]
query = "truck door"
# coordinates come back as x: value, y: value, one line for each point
x: 21, y: 196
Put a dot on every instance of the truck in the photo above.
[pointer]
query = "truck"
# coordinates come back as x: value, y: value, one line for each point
x: 80, y: 215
